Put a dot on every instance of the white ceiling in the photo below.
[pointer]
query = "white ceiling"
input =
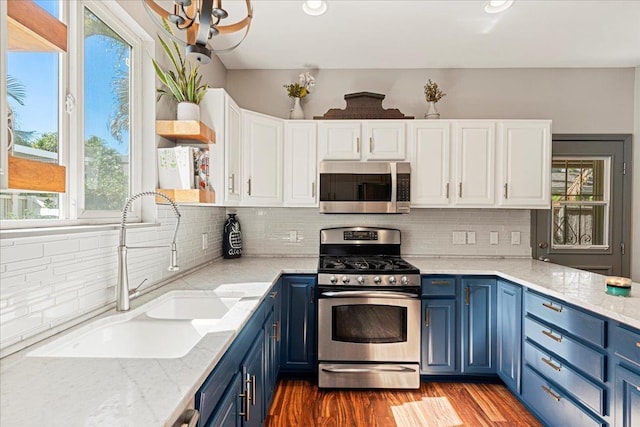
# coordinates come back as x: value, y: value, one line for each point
x: 356, y: 34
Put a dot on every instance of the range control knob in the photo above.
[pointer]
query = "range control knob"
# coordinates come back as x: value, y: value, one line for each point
x: 345, y: 279
x: 377, y: 280
x: 404, y: 280
x: 360, y: 280
x: 392, y: 280
x: 333, y: 279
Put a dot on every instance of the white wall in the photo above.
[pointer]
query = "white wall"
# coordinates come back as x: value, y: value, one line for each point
x: 47, y: 281
x: 266, y: 231
x: 593, y: 100
x: 635, y: 217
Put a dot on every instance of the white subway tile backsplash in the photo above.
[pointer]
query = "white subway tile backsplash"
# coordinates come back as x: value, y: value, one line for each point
x: 15, y: 253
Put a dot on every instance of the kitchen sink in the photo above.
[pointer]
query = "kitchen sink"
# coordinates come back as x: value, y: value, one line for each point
x: 133, y: 338
x: 164, y: 328
x: 192, y: 307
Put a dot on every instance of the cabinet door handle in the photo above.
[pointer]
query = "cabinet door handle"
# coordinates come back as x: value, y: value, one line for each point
x: 232, y: 183
x: 551, y: 364
x: 311, y: 293
x: 447, y: 190
x: 249, y: 187
x: 358, y: 144
x: 440, y: 282
x: 253, y: 389
x: 276, y: 329
x: 426, y: 317
x: 550, y: 393
x: 273, y: 294
x: 638, y: 344
x: 506, y: 191
x: 553, y: 337
x: 466, y: 296
x: 370, y: 144
x: 313, y: 189
x: 460, y: 190
x: 550, y: 306
x: 244, y: 397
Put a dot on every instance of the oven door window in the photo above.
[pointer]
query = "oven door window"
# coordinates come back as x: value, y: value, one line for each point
x: 369, y: 323
x: 344, y: 187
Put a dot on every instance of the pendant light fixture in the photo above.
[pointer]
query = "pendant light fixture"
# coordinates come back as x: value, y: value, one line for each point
x: 197, y: 24
x: 497, y: 6
x: 314, y: 7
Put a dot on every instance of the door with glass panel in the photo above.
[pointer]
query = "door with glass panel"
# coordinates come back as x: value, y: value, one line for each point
x: 588, y: 226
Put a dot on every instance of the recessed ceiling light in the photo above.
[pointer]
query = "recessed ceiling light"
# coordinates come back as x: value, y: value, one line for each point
x: 497, y: 6
x: 314, y: 7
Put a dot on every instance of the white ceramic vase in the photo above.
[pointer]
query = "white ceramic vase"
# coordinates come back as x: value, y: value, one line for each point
x: 296, y: 111
x: 432, y: 111
x: 188, y: 111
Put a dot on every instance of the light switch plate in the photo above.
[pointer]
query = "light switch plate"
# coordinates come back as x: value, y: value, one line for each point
x: 471, y: 237
x: 493, y: 237
x: 459, y: 238
x: 515, y: 237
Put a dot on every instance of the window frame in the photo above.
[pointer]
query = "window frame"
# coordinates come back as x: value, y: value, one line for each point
x: 71, y: 125
x: 606, y: 202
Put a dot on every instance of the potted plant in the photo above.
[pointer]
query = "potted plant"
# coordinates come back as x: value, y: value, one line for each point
x: 297, y: 91
x: 183, y: 83
x: 432, y: 94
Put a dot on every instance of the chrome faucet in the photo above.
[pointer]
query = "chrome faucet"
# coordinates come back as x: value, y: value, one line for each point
x: 123, y: 294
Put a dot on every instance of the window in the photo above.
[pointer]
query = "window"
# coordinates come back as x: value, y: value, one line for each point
x: 580, y: 197
x: 79, y: 109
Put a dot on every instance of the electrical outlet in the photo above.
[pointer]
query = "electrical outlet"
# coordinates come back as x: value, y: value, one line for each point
x: 493, y: 237
x: 205, y: 241
x: 459, y: 238
x: 515, y: 237
x: 293, y: 236
x: 471, y: 237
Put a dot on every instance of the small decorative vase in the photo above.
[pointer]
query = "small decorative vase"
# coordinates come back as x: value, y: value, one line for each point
x: 188, y: 111
x: 296, y: 111
x: 432, y: 111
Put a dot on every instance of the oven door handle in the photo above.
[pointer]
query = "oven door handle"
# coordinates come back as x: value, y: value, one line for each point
x: 354, y: 370
x: 369, y: 294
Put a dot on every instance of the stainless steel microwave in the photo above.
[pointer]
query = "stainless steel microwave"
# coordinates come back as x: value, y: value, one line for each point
x: 365, y: 187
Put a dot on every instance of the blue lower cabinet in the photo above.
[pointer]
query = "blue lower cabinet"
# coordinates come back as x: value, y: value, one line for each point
x: 227, y: 413
x: 439, y: 350
x: 252, y: 369
x: 627, y: 401
x: 299, y: 335
x: 509, y: 334
x: 552, y: 405
x: 478, y: 302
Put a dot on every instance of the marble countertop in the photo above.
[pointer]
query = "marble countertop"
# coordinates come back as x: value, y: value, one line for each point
x: 36, y: 391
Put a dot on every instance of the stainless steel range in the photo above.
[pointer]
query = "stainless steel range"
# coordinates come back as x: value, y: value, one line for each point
x: 368, y: 310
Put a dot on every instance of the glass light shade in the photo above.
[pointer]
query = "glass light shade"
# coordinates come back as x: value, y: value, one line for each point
x: 497, y: 6
x: 314, y: 7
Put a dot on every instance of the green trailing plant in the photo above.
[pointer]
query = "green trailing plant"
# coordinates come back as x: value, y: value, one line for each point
x: 184, y: 82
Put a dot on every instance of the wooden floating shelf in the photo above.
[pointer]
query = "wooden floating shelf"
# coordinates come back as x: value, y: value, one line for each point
x: 186, y: 196
x: 186, y: 129
x: 26, y: 174
x: 33, y: 29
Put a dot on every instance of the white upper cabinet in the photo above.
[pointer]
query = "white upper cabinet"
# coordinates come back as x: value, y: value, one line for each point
x: 430, y: 157
x: 384, y: 140
x: 361, y: 140
x: 300, y: 163
x: 262, y: 153
x: 474, y: 155
x: 525, y: 156
x: 219, y: 111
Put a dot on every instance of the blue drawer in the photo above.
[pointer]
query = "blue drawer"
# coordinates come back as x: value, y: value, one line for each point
x: 586, y: 391
x: 438, y: 286
x: 552, y: 405
x: 583, y: 325
x: 626, y: 343
x: 579, y: 355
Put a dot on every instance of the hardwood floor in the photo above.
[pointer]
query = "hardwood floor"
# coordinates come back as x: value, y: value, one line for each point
x: 299, y: 403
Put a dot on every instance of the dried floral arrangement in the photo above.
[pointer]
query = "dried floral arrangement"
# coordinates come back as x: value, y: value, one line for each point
x: 432, y: 93
x: 301, y: 88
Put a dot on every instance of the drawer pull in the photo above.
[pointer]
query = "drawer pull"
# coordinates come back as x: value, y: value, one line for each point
x: 638, y: 344
x: 550, y: 363
x: 550, y: 393
x: 440, y: 282
x: 466, y: 296
x: 553, y: 337
x: 550, y: 306
x: 426, y: 317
